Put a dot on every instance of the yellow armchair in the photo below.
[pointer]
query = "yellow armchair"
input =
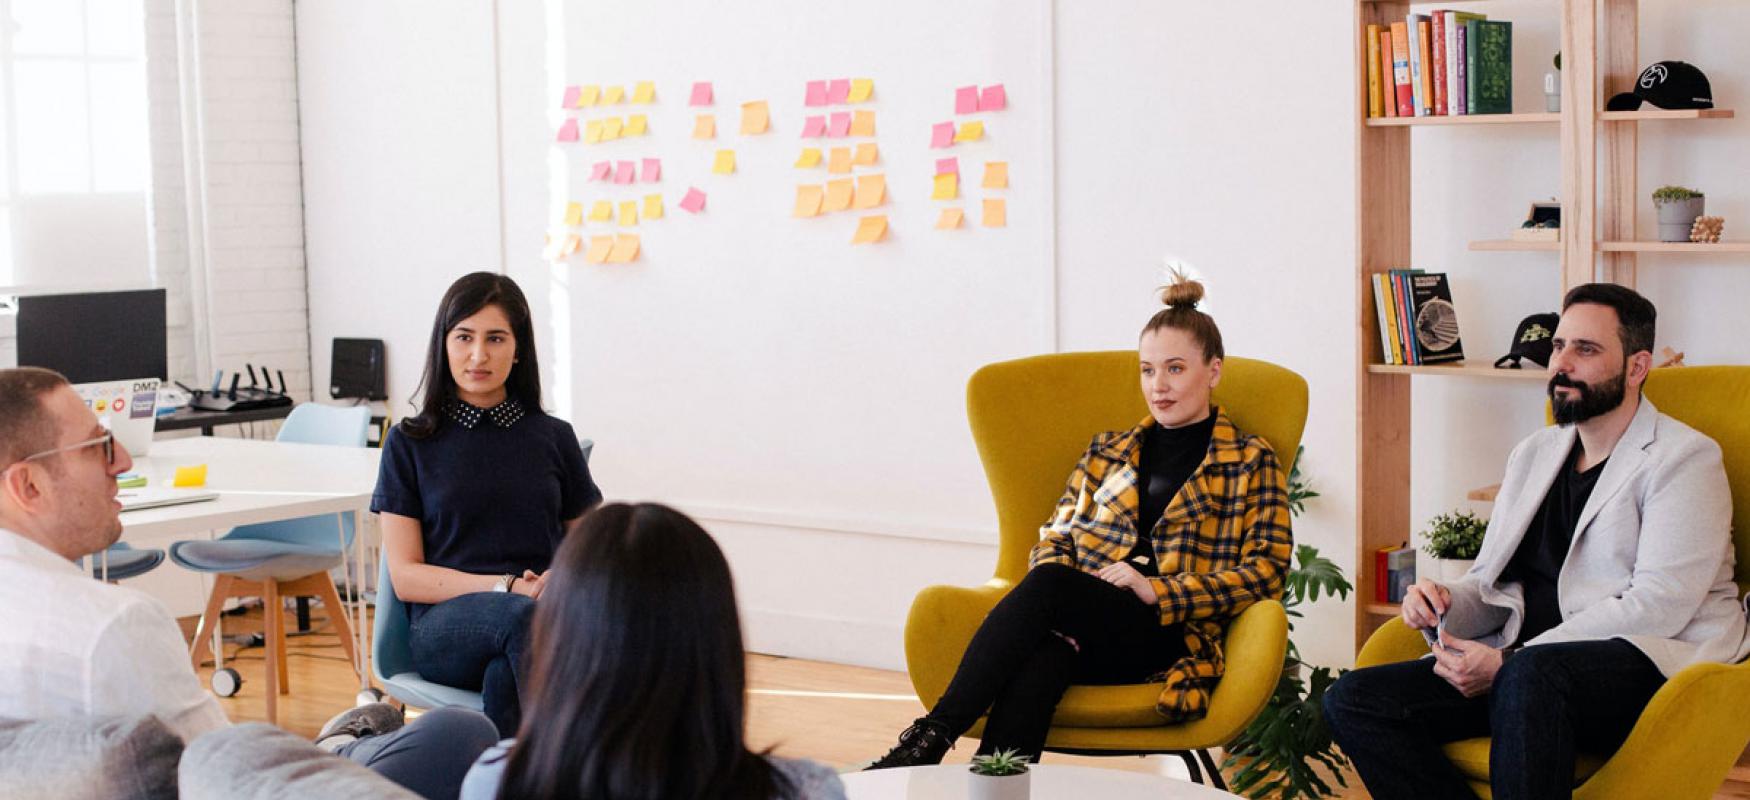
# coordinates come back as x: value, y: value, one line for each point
x: 1697, y: 725
x: 1032, y: 419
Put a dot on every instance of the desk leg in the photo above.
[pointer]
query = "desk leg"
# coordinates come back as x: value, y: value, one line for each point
x: 354, y: 569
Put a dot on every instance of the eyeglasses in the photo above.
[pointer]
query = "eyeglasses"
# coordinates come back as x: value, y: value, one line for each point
x: 107, y: 440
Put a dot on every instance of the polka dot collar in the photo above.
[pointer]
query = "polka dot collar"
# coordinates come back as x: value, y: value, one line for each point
x: 468, y: 415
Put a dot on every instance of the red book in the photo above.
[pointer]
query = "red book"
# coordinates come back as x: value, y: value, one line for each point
x: 1439, y: 47
x: 1390, y: 106
x: 1400, y: 61
x: 1380, y: 590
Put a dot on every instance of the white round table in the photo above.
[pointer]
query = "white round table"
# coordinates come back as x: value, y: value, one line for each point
x: 949, y: 782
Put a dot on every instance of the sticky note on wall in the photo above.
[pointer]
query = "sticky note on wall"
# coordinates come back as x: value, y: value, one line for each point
x: 755, y: 117
x: 809, y: 158
x: 645, y: 93
x: 724, y: 164
x: 612, y: 95
x: 652, y: 170
x: 611, y: 127
x: 587, y: 95
x: 838, y: 91
x: 947, y: 186
x: 652, y: 206
x: 996, y: 213
x: 568, y: 130
x: 950, y: 219
x: 947, y: 165
x: 599, y: 246
x: 966, y: 100
x: 574, y: 213
x: 861, y: 90
x: 694, y: 202
x: 705, y: 127
x: 625, y: 248
x: 840, y: 126
x: 942, y: 134
x: 701, y: 95
x: 570, y: 99
x: 870, y: 229
x: 624, y: 172
x: 814, y: 127
x: 815, y: 95
x: 970, y: 132
x: 871, y: 191
x: 637, y: 125
x: 601, y: 211
x: 994, y: 98
x: 996, y: 175
x: 867, y: 155
x: 863, y: 123
x: 808, y: 200
x: 628, y: 213
x: 840, y: 161
x: 838, y: 194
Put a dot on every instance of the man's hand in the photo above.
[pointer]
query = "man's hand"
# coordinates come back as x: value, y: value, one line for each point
x: 1125, y: 576
x: 1424, y: 603
x: 1469, y: 666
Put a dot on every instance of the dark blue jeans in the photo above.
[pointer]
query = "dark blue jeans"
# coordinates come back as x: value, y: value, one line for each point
x: 478, y: 642
x: 430, y: 755
x: 1548, y: 703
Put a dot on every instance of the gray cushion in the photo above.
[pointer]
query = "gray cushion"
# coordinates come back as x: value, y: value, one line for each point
x: 262, y: 761
x: 88, y: 757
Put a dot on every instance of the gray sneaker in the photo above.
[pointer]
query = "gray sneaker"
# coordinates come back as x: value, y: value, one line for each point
x: 372, y: 719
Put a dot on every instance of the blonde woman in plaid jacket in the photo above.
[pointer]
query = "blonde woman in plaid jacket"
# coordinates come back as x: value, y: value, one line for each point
x: 1103, y: 604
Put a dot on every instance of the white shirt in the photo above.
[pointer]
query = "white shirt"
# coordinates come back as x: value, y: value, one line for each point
x: 74, y: 646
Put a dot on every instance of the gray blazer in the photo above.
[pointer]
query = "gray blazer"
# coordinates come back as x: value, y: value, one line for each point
x: 1651, y: 559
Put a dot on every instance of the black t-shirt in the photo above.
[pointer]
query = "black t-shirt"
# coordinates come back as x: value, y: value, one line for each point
x: 492, y: 490
x: 1169, y: 456
x: 1537, y: 563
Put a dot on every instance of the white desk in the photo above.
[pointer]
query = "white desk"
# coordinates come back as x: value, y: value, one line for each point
x: 951, y: 782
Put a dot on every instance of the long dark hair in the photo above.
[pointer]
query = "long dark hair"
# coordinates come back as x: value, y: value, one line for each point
x: 638, y: 686
x: 465, y: 298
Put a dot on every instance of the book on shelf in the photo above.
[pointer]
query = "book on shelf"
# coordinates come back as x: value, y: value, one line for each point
x: 1400, y: 70
x: 1401, y: 299
x: 1460, y: 104
x: 1394, y: 572
x: 1434, y: 320
x: 1420, y: 89
x: 1490, y: 57
x: 1446, y: 63
x: 1454, y: 23
x: 1437, y: 26
x: 1373, y: 82
x: 1387, y: 88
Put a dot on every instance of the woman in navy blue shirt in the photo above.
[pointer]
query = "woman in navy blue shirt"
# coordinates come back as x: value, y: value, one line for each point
x: 475, y: 493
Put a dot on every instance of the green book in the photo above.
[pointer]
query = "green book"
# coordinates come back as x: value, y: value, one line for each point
x: 1489, y: 66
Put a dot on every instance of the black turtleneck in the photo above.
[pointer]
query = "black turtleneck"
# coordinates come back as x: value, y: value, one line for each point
x: 1169, y: 456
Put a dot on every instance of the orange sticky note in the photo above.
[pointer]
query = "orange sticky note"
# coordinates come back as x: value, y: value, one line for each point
x: 586, y: 97
x: 810, y: 158
x: 574, y: 213
x: 645, y: 93
x: 611, y: 128
x: 612, y: 95
x: 970, y: 132
x: 190, y: 476
x: 705, y: 127
x: 838, y: 194
x: 602, y: 211
x: 871, y: 191
x: 653, y: 206
x: 755, y: 117
x: 861, y: 89
x: 598, y: 249
x: 863, y: 123
x: 625, y: 248
x: 996, y: 175
x: 725, y: 162
x: 570, y: 245
x: 870, y: 229
x: 592, y: 131
x: 947, y: 187
x: 808, y: 200
x: 950, y: 219
x: 840, y: 161
x: 867, y: 155
x: 636, y: 125
x: 628, y: 213
x: 996, y: 212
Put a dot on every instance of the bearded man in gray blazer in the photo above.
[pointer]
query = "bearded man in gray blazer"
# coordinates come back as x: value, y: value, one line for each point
x: 1607, y: 568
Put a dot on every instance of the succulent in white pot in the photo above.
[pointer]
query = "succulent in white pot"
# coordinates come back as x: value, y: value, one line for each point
x: 1678, y: 207
x: 1453, y: 541
x: 1001, y: 775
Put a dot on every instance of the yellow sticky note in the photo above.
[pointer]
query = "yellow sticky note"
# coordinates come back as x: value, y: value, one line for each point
x: 645, y: 93
x: 191, y: 476
x: 838, y: 194
x: 871, y: 191
x: 570, y: 246
x: 996, y: 175
x: 970, y: 132
x: 598, y: 249
x: 602, y: 211
x: 592, y: 131
x: 625, y: 248
x: 810, y: 158
x: 574, y: 213
x: 628, y: 213
x: 755, y: 117
x: 808, y: 200
x: 613, y: 95
x: 863, y: 123
x: 840, y: 161
x: 947, y: 187
x: 611, y: 128
x: 870, y: 229
x: 705, y: 127
x: 996, y: 212
x: 637, y: 125
x: 725, y: 163
x: 653, y: 206
x: 861, y: 88
x: 950, y: 219
x: 867, y: 155
x: 586, y: 97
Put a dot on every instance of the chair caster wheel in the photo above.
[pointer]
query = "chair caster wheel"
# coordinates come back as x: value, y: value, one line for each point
x: 366, y: 697
x: 226, y: 682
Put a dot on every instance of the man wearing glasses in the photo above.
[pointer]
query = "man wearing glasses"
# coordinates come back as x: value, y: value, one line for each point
x: 73, y: 646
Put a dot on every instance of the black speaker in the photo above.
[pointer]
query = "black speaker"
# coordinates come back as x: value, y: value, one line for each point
x: 356, y: 370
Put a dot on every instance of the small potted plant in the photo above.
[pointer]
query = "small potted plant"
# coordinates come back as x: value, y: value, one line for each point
x: 999, y: 776
x: 1678, y: 207
x: 1453, y: 541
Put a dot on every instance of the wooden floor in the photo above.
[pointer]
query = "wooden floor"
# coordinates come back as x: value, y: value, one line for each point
x: 836, y: 714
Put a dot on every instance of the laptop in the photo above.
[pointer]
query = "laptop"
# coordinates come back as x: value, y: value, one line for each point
x: 129, y: 409
x: 142, y: 498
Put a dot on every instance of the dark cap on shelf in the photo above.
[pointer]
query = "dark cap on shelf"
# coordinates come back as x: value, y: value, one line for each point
x: 1669, y: 85
x: 1531, y: 341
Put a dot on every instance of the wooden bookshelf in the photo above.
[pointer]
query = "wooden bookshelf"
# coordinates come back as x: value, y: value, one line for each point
x: 1382, y: 610
x: 1468, y: 119
x: 1462, y: 369
x: 1510, y: 245
x: 1674, y: 247
x: 1649, y: 113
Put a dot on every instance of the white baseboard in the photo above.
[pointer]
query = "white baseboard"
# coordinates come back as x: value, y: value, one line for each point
x: 822, y: 638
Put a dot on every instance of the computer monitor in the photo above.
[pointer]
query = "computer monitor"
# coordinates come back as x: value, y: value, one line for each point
x: 94, y: 337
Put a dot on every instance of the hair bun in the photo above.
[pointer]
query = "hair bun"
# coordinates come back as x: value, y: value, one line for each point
x: 1183, y: 292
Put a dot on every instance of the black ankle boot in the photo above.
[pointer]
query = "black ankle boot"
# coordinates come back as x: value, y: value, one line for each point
x: 922, y: 744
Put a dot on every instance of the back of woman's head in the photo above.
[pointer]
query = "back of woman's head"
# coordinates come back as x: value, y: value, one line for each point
x: 638, y: 676
x: 1181, y: 296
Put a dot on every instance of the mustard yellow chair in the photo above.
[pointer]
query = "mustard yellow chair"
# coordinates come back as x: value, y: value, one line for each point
x: 1032, y: 419
x: 1698, y: 723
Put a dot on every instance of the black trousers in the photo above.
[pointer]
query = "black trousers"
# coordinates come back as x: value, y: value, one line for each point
x: 1019, y: 663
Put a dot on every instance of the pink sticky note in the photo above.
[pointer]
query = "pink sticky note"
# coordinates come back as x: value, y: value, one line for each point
x: 602, y: 171
x: 841, y: 124
x: 966, y: 100
x: 946, y: 166
x: 942, y: 134
x: 994, y: 99
x: 652, y: 170
x: 568, y: 130
x: 814, y: 127
x: 570, y: 100
x: 839, y: 91
x: 701, y: 94
x: 623, y: 172
x: 817, y: 93
x: 694, y: 202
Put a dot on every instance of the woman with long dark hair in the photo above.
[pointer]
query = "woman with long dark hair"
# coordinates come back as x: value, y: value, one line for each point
x: 475, y: 493
x: 640, y: 676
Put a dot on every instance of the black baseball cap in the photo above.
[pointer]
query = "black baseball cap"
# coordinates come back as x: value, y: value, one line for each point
x: 1668, y: 85
x: 1531, y: 341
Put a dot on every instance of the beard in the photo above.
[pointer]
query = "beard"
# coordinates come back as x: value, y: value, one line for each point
x: 1593, y: 400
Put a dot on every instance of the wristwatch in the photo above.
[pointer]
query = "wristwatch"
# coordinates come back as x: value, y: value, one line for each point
x: 504, y: 583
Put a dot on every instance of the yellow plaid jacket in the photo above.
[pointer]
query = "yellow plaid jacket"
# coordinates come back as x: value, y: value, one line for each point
x: 1223, y: 543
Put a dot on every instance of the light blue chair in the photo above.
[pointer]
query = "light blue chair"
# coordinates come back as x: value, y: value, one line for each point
x: 288, y: 558
x: 124, y: 562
